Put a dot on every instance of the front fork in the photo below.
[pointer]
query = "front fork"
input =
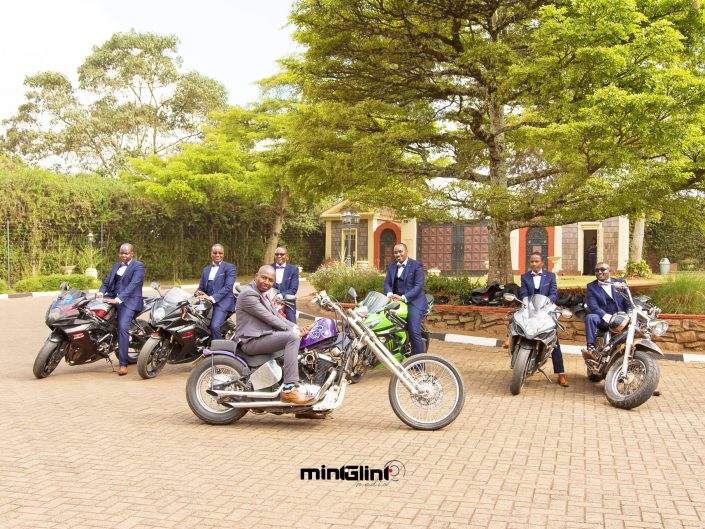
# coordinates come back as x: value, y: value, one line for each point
x: 629, y: 343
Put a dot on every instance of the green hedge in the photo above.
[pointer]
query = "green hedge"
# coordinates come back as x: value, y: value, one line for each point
x: 53, y: 282
x: 683, y: 293
x: 3, y: 286
x: 336, y: 278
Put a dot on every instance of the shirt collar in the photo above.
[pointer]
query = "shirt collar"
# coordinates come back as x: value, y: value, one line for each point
x: 540, y: 272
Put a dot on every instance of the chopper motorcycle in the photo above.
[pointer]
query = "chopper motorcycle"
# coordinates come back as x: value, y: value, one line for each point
x: 426, y: 392
x: 84, y: 330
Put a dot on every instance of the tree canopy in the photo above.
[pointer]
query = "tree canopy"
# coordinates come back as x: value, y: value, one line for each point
x: 519, y: 112
x: 132, y: 100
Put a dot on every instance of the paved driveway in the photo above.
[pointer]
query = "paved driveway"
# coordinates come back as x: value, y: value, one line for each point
x: 85, y: 448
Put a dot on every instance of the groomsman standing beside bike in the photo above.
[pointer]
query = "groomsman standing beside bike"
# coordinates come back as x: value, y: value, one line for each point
x: 540, y: 281
x: 216, y: 285
x: 287, y: 279
x: 124, y: 286
x: 405, y: 282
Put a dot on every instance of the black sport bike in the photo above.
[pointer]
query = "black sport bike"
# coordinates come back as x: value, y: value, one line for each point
x: 84, y: 330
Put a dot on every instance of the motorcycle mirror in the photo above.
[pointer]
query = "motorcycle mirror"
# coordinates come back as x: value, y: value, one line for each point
x: 508, y: 296
x: 156, y: 286
x: 64, y: 286
x: 352, y: 293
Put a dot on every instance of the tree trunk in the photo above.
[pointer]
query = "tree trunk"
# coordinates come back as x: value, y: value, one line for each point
x: 273, y: 238
x: 500, y: 256
x: 636, y: 251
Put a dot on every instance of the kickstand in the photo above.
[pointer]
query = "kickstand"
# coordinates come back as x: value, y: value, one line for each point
x: 547, y: 377
x: 110, y: 361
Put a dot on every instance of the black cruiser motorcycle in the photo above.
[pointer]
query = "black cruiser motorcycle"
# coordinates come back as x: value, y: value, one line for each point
x: 84, y: 330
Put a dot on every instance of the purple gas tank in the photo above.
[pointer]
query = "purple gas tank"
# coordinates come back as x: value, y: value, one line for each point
x: 323, y: 329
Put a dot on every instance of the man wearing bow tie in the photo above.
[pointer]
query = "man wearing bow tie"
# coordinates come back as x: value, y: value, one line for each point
x: 404, y: 282
x: 603, y: 301
x: 540, y: 281
x: 124, y: 288
x: 216, y: 285
x: 287, y: 280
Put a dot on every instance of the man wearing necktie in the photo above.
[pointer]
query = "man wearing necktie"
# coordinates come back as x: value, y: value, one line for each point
x: 287, y: 280
x: 602, y: 301
x: 540, y: 281
x: 216, y: 285
x: 405, y: 282
x: 124, y: 288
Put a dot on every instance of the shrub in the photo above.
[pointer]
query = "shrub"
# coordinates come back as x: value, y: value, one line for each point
x: 3, y: 286
x: 690, y: 265
x: 450, y: 290
x: 53, y: 282
x: 637, y: 269
x: 682, y: 293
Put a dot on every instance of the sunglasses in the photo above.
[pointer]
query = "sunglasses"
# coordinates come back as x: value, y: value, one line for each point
x: 601, y: 270
x: 278, y: 254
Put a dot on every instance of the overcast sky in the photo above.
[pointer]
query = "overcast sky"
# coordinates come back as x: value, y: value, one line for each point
x: 235, y: 42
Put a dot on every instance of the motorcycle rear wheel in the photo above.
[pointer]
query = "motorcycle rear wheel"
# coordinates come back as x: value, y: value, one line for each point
x: 642, y: 379
x: 48, y: 358
x: 444, y: 393
x: 521, y: 366
x: 205, y: 406
x: 151, y: 359
x: 140, y: 330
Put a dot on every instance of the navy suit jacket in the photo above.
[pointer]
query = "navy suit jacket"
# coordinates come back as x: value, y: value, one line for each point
x: 410, y: 284
x: 129, y: 290
x: 290, y: 280
x: 547, y: 287
x: 597, y: 298
x: 222, y: 287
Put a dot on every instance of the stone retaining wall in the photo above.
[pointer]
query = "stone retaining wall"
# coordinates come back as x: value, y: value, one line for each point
x: 686, y: 333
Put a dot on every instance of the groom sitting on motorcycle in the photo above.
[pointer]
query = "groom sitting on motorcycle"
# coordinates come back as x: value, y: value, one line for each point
x: 540, y: 281
x: 602, y: 301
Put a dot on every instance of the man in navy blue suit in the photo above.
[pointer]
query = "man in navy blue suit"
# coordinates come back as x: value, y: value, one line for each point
x: 216, y: 285
x: 540, y: 281
x: 287, y: 279
x: 124, y: 287
x: 603, y: 300
x: 404, y: 281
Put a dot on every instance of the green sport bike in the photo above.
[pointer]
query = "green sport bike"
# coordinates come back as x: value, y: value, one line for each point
x: 387, y: 319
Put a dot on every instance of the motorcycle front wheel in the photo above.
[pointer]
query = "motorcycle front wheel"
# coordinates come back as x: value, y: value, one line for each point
x: 441, y: 398
x: 521, y: 366
x: 202, y: 404
x: 48, y: 358
x: 153, y: 357
x: 636, y: 387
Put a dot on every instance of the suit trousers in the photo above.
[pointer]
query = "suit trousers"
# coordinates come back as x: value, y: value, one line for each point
x: 124, y: 319
x: 271, y: 343
x: 217, y: 320
x: 557, y: 359
x: 413, y: 324
x: 592, y: 323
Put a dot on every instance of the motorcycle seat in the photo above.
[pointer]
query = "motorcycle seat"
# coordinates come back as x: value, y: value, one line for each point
x: 252, y: 360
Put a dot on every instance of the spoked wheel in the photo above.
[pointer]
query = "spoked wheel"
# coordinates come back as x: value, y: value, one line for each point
x: 521, y: 367
x: 440, y: 396
x: 48, y: 358
x: 202, y: 378
x: 636, y: 386
x: 140, y: 331
x: 153, y: 357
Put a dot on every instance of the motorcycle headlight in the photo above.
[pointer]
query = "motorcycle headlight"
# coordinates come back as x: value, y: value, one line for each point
x: 531, y: 331
x: 53, y: 315
x: 658, y: 327
x: 158, y: 314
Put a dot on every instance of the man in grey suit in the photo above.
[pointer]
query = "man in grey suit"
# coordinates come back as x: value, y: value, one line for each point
x: 260, y: 330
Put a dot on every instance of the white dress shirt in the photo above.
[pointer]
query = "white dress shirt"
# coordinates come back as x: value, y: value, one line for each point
x: 536, y: 276
x: 279, y: 270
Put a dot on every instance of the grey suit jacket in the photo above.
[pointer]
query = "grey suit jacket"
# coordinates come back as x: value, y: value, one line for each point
x: 255, y: 315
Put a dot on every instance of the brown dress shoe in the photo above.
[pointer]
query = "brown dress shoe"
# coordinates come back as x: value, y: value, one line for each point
x: 591, y: 354
x: 563, y: 380
x: 295, y: 395
x: 122, y: 370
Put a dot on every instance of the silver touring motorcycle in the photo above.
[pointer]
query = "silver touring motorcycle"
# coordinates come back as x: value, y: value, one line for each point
x: 426, y: 391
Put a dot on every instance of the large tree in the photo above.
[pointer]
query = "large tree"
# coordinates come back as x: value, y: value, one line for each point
x: 132, y: 100
x: 518, y: 112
